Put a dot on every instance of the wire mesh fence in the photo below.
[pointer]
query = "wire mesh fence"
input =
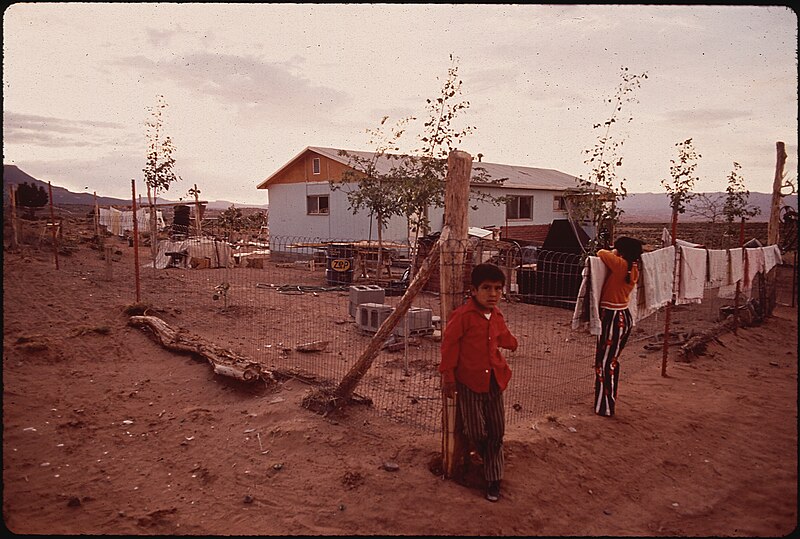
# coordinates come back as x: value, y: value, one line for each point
x: 312, y: 305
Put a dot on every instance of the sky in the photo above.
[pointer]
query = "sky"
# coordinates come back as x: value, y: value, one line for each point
x: 249, y: 86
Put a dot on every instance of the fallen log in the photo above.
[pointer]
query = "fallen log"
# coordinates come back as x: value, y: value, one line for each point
x: 225, y: 362
x: 698, y: 344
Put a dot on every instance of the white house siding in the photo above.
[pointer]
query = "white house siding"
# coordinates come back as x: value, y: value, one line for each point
x: 288, y: 217
x: 488, y: 215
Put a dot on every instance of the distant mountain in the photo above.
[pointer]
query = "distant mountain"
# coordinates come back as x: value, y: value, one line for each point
x: 655, y: 208
x: 13, y: 175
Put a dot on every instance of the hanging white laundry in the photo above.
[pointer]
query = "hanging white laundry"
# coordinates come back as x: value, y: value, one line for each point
x: 589, y: 313
x: 735, y: 273
x: 692, y: 275
x: 772, y: 256
x: 718, y: 268
x: 656, y: 277
x: 754, y: 263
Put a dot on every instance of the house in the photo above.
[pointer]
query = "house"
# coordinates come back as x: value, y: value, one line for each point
x: 302, y: 203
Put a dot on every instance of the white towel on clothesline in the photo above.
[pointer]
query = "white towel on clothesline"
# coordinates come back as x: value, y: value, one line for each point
x: 657, y: 278
x: 587, y: 306
x: 692, y: 275
x: 772, y: 256
x: 735, y: 273
x: 718, y: 268
x: 754, y: 258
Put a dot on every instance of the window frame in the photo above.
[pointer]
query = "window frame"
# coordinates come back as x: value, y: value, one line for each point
x: 319, y: 211
x: 559, y: 203
x: 516, y: 201
x: 316, y: 166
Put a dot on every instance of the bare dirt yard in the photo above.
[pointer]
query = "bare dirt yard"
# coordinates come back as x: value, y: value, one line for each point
x: 107, y: 432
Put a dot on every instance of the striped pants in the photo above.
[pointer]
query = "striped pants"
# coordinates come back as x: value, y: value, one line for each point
x: 484, y: 419
x: 616, y: 326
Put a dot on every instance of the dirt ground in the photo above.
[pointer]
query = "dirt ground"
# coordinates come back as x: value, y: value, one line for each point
x: 106, y: 432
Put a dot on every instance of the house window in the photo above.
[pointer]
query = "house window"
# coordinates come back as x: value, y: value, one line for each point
x: 317, y: 204
x: 559, y: 203
x: 315, y: 165
x: 519, y: 207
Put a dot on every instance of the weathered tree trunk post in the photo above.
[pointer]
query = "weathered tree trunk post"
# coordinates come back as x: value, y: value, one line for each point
x: 136, y: 241
x: 668, y: 310
x: 12, y: 199
x: 96, y: 220
x: 775, y: 208
x: 53, y: 223
x: 451, y: 272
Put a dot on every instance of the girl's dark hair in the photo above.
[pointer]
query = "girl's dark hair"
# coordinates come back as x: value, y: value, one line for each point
x: 631, y: 250
x: 487, y: 272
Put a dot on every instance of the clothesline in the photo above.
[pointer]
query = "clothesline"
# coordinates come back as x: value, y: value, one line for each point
x: 680, y: 273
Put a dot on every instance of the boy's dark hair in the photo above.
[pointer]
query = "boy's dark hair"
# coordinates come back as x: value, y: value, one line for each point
x: 487, y: 272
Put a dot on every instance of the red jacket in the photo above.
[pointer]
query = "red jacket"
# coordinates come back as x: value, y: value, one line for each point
x: 470, y: 348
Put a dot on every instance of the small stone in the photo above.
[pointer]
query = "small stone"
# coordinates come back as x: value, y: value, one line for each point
x: 248, y: 499
x: 277, y: 466
x: 74, y: 501
x: 606, y: 512
x: 390, y: 466
x: 572, y: 429
x: 341, y: 507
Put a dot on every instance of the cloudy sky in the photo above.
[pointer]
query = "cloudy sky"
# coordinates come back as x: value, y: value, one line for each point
x: 248, y: 86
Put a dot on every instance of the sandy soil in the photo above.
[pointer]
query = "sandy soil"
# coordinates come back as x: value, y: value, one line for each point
x: 106, y: 432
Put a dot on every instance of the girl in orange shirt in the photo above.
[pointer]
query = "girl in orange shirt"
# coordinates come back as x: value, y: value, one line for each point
x: 623, y: 274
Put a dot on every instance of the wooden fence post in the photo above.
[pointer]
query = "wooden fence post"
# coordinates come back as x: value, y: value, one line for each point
x: 197, y: 217
x: 109, y: 251
x: 668, y: 310
x: 775, y: 208
x: 451, y: 272
x: 53, y: 223
x: 14, y: 224
x: 136, y: 240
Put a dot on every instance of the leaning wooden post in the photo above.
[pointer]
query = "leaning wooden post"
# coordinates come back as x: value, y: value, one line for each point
x: 451, y: 274
x: 668, y: 309
x: 12, y: 199
x: 348, y: 384
x: 53, y: 223
x: 136, y: 240
x: 775, y: 208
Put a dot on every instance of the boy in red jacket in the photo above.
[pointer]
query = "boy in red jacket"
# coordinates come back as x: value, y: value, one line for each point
x: 473, y: 368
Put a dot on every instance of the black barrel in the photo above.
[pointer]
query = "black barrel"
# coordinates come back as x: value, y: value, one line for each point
x: 339, y: 263
x: 180, y: 220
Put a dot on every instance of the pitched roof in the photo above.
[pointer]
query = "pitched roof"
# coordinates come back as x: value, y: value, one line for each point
x: 518, y: 177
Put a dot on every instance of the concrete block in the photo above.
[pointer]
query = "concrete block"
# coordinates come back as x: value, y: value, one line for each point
x: 370, y: 316
x: 365, y: 293
x: 420, y: 322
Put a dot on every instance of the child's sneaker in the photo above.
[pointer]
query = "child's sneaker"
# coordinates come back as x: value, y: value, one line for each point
x: 493, y: 494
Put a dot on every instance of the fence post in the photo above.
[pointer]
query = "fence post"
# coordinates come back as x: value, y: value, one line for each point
x: 668, y: 310
x: 451, y: 275
x: 136, y: 240
x: 109, y: 250
x: 14, y: 224
x: 197, y: 218
x: 53, y: 223
x: 775, y: 207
